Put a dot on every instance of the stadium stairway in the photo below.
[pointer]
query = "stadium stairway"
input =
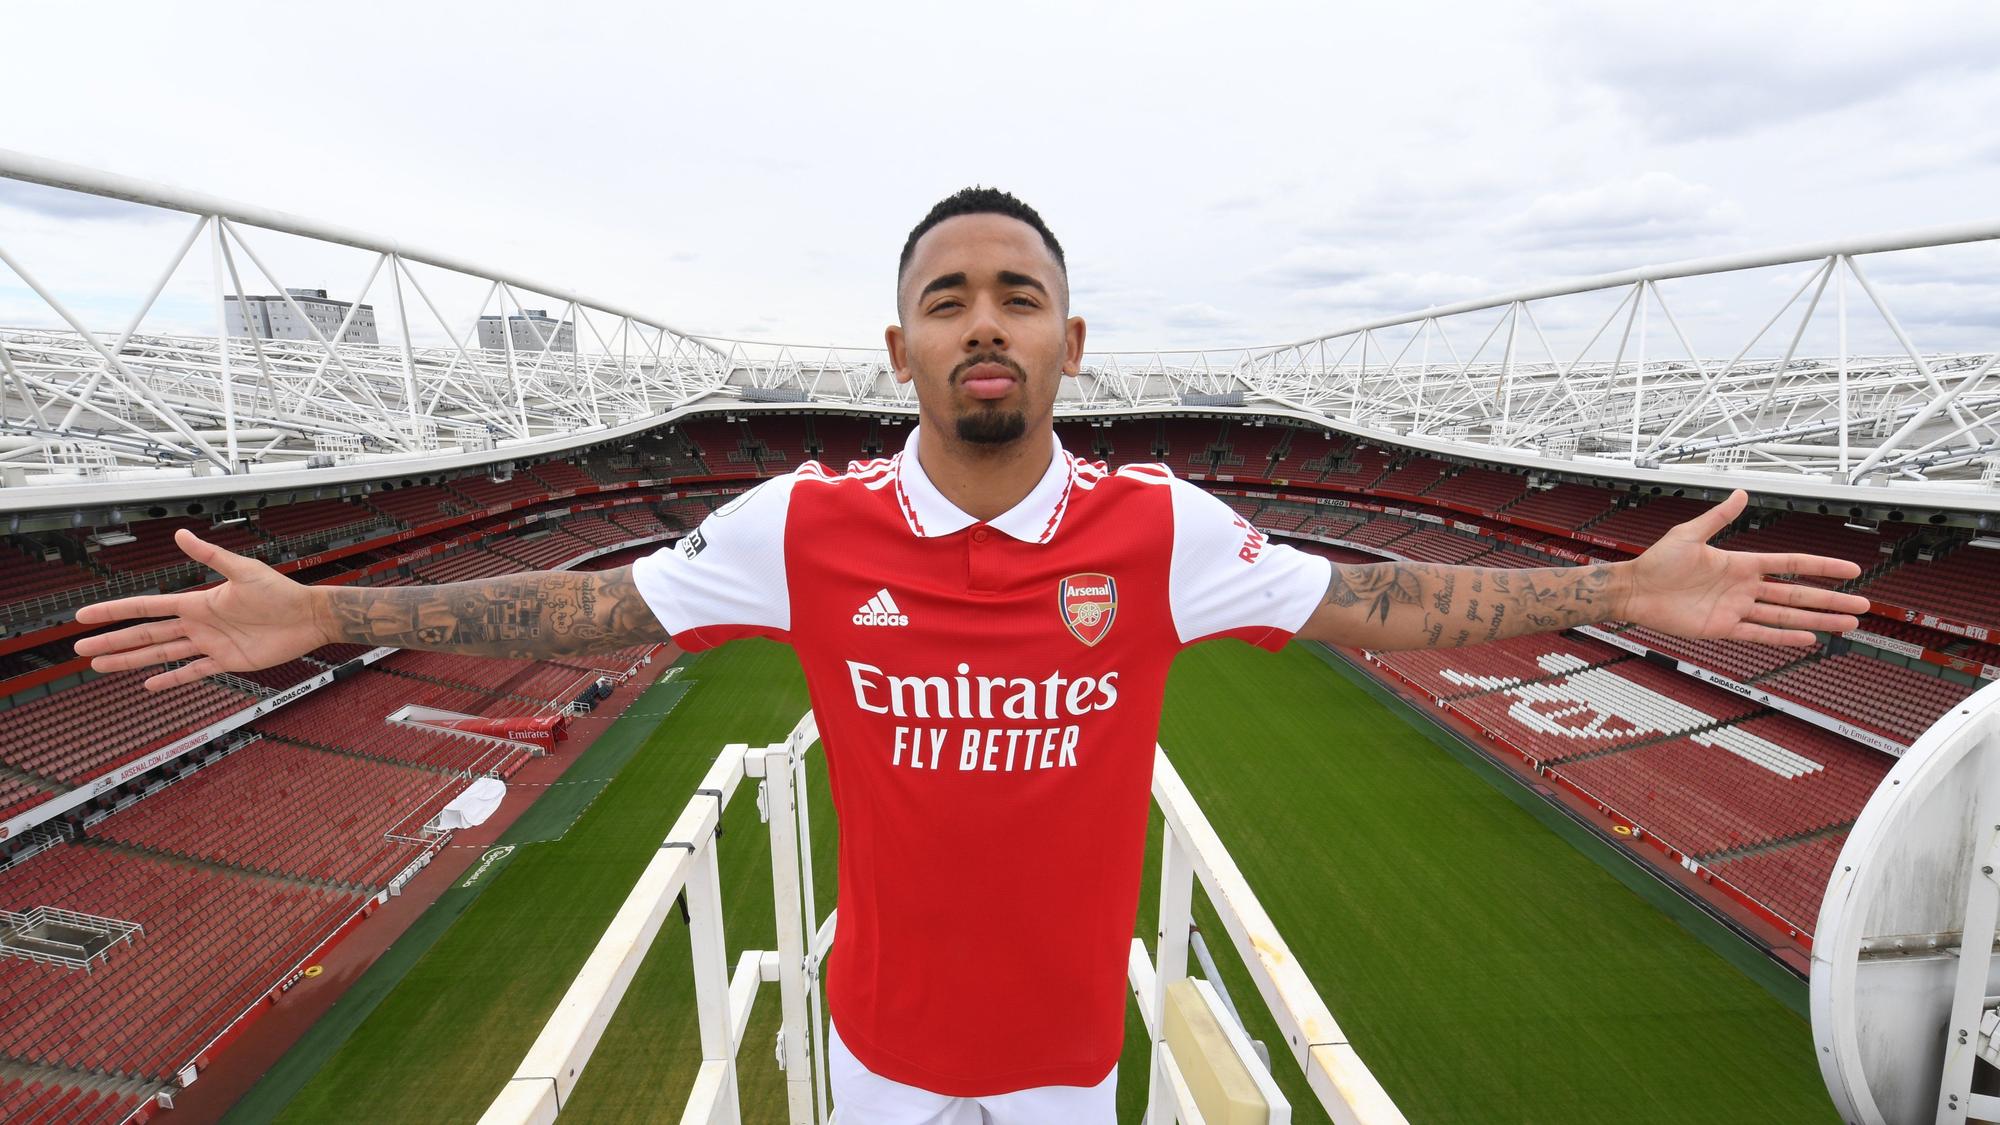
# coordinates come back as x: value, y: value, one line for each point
x: 46, y: 1095
x: 536, y: 683
x: 115, y: 847
x: 1765, y: 847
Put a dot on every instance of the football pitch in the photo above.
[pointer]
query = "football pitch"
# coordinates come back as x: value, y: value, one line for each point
x: 1487, y: 963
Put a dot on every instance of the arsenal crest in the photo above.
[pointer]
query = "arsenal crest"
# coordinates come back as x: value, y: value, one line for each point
x: 1088, y: 603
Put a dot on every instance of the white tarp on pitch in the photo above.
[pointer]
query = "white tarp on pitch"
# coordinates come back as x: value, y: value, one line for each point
x: 473, y: 806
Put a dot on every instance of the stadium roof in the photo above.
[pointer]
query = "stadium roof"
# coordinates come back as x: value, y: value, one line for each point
x: 1815, y: 391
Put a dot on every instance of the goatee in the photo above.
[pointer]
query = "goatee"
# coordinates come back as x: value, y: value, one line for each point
x: 992, y: 427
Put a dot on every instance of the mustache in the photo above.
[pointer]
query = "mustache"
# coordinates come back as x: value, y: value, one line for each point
x: 971, y: 362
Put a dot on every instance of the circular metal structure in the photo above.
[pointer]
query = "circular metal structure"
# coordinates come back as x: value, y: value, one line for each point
x: 1903, y: 960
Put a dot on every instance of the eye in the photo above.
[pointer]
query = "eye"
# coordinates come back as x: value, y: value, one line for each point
x: 1028, y: 301
x: 947, y: 303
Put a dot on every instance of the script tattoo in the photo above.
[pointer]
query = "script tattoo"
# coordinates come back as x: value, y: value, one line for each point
x: 1512, y: 602
x: 523, y: 616
x: 1441, y: 600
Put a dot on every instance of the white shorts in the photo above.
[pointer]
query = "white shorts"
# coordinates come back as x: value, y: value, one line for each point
x: 864, y: 1098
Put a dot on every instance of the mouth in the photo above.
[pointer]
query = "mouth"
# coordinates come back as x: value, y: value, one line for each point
x: 988, y: 380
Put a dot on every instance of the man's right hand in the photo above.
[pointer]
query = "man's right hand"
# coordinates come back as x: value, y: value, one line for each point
x: 254, y: 619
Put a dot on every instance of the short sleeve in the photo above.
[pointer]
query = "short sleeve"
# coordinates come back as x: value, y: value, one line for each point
x: 725, y: 579
x: 1229, y: 579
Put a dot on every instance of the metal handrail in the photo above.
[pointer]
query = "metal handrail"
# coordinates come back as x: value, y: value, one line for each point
x: 685, y: 864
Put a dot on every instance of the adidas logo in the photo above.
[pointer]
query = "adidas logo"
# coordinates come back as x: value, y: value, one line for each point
x: 881, y: 610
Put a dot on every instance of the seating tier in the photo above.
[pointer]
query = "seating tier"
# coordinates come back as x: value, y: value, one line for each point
x: 214, y: 942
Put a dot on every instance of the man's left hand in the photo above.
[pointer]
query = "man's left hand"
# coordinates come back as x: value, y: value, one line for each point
x: 1683, y: 586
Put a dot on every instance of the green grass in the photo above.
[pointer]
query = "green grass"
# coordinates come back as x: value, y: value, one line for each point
x: 1486, y: 968
x: 439, y: 1047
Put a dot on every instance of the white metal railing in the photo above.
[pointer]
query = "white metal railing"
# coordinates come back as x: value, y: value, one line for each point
x: 18, y: 939
x: 685, y: 864
x: 1189, y: 849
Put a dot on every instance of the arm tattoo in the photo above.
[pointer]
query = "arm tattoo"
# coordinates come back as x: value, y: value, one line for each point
x: 524, y: 616
x: 1501, y: 603
x: 1380, y: 586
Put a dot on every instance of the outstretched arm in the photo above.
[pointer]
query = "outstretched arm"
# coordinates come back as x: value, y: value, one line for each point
x: 1681, y: 585
x: 527, y: 616
x: 257, y: 618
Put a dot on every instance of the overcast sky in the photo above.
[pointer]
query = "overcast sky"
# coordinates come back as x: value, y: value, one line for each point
x: 1217, y: 174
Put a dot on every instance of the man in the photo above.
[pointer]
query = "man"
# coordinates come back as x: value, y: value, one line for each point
x: 985, y: 624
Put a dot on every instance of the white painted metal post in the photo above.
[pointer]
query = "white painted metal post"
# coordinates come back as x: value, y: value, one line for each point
x: 1961, y: 1032
x: 1170, y: 950
x: 786, y: 903
x: 548, y: 1073
x: 711, y: 978
x: 216, y: 252
x: 1846, y: 422
x: 1333, y: 1070
x: 1975, y: 951
x: 1639, y: 371
x: 802, y: 797
x: 410, y: 405
x: 507, y: 341
x: 1423, y: 375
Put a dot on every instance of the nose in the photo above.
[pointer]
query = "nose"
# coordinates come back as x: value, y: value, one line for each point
x: 983, y: 333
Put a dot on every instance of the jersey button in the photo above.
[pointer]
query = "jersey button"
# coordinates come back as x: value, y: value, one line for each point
x: 980, y: 535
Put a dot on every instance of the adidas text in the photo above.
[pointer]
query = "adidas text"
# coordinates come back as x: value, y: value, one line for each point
x: 881, y: 610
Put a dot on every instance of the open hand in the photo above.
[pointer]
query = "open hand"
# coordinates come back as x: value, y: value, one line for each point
x: 254, y: 619
x: 1683, y: 586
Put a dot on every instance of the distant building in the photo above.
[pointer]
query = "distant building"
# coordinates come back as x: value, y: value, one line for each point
x: 532, y: 329
x: 272, y: 318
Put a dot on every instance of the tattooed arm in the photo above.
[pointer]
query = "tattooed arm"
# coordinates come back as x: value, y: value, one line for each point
x: 257, y: 618
x: 1681, y: 585
x: 526, y: 616
x: 1397, y: 605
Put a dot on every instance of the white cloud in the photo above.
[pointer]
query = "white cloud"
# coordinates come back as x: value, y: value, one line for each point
x: 1642, y: 212
x: 1728, y: 67
x: 1315, y: 266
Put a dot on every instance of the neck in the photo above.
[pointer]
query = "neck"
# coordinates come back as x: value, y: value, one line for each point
x: 984, y: 481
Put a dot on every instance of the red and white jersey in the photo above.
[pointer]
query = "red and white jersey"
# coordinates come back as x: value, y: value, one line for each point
x: 988, y: 695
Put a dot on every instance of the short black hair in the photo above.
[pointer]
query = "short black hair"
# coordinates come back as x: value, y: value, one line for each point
x: 980, y: 201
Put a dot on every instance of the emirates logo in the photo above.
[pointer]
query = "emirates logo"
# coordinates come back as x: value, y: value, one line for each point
x: 1089, y: 603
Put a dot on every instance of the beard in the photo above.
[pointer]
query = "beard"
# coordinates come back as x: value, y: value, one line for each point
x: 992, y: 427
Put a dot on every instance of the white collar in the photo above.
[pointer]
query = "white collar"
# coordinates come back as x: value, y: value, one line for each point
x: 1033, y: 520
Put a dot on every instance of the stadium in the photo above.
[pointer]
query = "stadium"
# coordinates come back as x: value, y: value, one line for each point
x: 1556, y: 878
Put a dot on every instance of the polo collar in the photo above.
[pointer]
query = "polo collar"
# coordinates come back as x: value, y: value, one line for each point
x: 1033, y: 520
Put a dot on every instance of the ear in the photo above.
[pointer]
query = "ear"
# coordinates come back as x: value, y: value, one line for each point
x: 1073, y: 330
x: 898, y: 365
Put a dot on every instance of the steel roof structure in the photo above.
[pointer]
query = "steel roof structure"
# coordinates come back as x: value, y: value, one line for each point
x: 1597, y: 377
